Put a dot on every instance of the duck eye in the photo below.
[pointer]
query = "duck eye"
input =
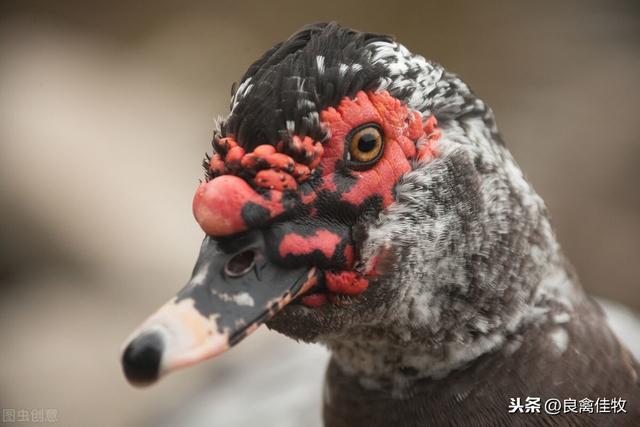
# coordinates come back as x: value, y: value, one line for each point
x: 365, y: 145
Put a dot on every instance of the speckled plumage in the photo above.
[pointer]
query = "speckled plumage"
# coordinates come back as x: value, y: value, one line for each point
x: 476, y: 295
x: 430, y: 270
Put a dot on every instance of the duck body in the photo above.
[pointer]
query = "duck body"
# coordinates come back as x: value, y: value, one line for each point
x: 361, y: 197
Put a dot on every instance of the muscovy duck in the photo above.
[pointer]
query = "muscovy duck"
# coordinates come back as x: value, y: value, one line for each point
x: 361, y: 197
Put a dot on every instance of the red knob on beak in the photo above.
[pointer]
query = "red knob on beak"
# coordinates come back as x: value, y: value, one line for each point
x: 227, y: 205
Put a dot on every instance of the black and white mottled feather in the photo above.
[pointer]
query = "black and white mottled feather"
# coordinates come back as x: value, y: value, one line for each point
x: 478, y: 303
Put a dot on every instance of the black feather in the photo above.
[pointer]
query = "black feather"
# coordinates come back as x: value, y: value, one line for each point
x: 287, y: 84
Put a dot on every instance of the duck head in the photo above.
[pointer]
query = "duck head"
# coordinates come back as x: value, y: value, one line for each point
x: 357, y: 195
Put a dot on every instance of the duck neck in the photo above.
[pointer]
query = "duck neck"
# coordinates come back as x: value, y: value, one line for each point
x: 401, y: 350
x: 394, y: 362
x: 391, y: 360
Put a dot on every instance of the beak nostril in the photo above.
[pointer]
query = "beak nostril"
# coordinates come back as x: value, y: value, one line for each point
x: 240, y: 264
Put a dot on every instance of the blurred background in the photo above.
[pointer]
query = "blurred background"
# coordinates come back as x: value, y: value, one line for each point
x: 106, y: 110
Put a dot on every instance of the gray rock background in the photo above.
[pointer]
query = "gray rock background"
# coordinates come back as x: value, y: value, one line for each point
x: 106, y: 109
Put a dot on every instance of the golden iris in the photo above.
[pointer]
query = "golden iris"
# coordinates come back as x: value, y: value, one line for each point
x: 365, y: 144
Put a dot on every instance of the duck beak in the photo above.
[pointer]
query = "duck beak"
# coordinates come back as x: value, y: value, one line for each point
x: 233, y: 290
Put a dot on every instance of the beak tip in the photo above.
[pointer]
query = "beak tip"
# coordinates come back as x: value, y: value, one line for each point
x: 141, y: 359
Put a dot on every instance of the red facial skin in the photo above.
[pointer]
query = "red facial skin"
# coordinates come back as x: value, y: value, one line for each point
x: 323, y: 241
x: 314, y: 300
x: 223, y: 205
x: 398, y: 126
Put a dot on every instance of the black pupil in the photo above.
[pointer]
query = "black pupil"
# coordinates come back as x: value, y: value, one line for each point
x: 367, y: 142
